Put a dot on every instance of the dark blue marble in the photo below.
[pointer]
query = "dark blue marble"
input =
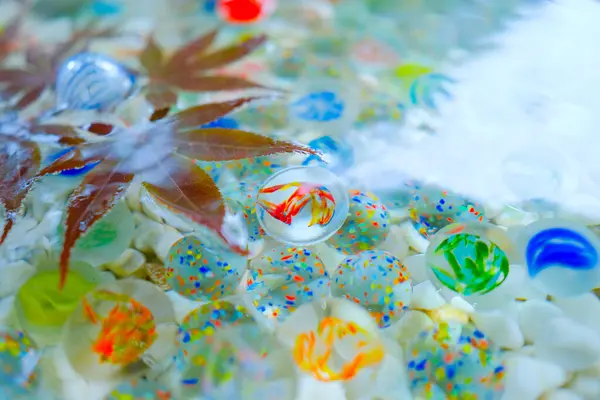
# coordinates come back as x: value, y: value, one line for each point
x: 70, y: 172
x: 560, y: 246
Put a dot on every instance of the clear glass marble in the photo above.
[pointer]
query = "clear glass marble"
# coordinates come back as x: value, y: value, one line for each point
x: 284, y: 278
x: 433, y: 208
x: 200, y: 273
x: 107, y: 239
x: 42, y: 308
x: 376, y: 280
x: 240, y: 362
x: 302, y: 205
x: 470, y: 258
x: 117, y: 326
x: 91, y: 81
x: 562, y: 257
x: 455, y: 361
x: 367, y: 226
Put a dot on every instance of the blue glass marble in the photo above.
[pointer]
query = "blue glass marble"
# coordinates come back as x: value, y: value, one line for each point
x: 71, y: 172
x: 424, y: 90
x: 209, y: 6
x: 318, y: 106
x: 338, y: 156
x: 228, y: 123
x: 90, y: 81
x: 561, y: 257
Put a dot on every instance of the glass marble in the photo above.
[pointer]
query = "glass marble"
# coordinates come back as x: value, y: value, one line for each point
x: 117, y: 325
x: 247, y: 207
x: 91, y: 81
x: 376, y: 280
x: 198, y: 272
x: 302, y: 205
x: 367, y: 225
x: 470, y: 258
x: 336, y: 155
x: 423, y: 85
x: 285, y: 278
x: 333, y: 340
x: 240, y: 362
x: 206, y: 320
x: 325, y: 105
x: 244, y: 11
x: 107, y: 239
x: 562, y: 257
x: 455, y: 361
x: 432, y: 208
x: 42, y: 309
x: 19, y: 372
x: 140, y: 389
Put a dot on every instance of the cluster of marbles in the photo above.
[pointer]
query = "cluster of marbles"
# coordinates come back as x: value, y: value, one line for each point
x: 452, y: 360
x: 200, y: 273
x: 376, y: 280
x: 367, y: 226
x: 284, y: 278
x: 302, y: 205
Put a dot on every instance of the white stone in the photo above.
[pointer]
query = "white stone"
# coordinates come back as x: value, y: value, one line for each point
x: 413, y: 238
x: 417, y: 268
x: 426, y: 296
x: 534, y: 316
x: 584, y: 309
x: 331, y: 257
x: 165, y: 241
x: 500, y: 328
x: 562, y: 394
x: 568, y: 344
x: 13, y: 275
x: 410, y: 325
x: 512, y: 217
x: 528, y: 378
x: 131, y: 262
x: 587, y: 387
x: 396, y: 243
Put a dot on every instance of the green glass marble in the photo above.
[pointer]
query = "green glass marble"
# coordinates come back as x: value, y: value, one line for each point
x: 469, y: 259
x: 42, y: 308
x: 107, y: 239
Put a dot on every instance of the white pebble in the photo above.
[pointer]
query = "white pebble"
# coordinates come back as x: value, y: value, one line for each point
x: 413, y: 238
x: 425, y: 296
x: 331, y: 257
x: 587, y: 387
x: 13, y: 276
x: 501, y: 329
x: 461, y: 304
x: 562, y: 394
x: 396, y: 243
x: 568, y: 344
x: 512, y: 217
x: 534, y: 316
x: 584, y: 309
x: 528, y: 378
x: 410, y: 325
x: 131, y: 262
x: 165, y: 241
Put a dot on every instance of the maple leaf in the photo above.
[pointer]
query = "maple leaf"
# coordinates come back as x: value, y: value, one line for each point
x: 189, y: 68
x: 24, y: 86
x: 20, y: 162
x: 161, y: 155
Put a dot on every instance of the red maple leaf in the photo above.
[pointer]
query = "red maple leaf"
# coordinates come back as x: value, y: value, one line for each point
x: 189, y: 68
x: 161, y: 155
